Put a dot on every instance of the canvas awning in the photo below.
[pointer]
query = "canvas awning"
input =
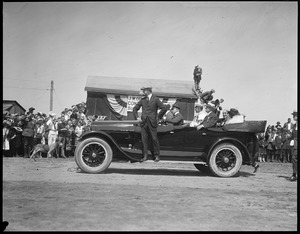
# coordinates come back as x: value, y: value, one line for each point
x: 132, y: 86
x: 114, y: 97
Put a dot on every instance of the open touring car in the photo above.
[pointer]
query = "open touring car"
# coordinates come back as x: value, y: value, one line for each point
x: 219, y: 150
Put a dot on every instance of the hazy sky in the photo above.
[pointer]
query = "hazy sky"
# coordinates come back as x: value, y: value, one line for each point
x: 247, y: 50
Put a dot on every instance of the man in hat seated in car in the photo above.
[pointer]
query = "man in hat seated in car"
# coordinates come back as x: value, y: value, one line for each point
x: 174, y: 117
x: 234, y: 116
x: 210, y: 119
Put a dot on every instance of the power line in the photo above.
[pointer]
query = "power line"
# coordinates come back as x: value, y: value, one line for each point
x: 57, y: 98
x: 39, y: 98
x: 23, y: 88
x: 27, y: 80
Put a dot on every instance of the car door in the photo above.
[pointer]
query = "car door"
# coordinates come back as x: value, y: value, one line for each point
x: 197, y: 140
x: 171, y: 138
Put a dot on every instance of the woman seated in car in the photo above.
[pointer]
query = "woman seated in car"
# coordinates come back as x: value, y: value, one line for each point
x: 234, y: 117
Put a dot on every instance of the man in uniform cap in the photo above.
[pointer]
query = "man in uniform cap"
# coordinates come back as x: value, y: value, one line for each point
x: 149, y: 121
x: 293, y: 144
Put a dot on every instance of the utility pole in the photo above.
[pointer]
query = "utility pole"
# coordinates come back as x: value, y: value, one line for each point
x: 51, y: 95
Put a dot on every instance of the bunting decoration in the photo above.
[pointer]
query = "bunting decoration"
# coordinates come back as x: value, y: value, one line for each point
x: 118, y: 103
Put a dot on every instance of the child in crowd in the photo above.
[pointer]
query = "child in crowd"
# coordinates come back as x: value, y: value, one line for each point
x: 262, y: 148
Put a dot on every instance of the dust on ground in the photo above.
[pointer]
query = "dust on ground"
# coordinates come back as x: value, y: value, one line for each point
x: 149, y: 196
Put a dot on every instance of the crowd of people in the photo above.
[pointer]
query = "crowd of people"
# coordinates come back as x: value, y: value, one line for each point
x: 275, y: 144
x: 21, y: 132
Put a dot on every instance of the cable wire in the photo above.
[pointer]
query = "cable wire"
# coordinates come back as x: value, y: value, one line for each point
x: 39, y: 98
x: 27, y: 80
x: 14, y: 87
x: 57, y: 98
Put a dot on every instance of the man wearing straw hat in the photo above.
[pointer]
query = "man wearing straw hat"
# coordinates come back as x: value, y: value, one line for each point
x: 199, y: 116
x: 211, y: 119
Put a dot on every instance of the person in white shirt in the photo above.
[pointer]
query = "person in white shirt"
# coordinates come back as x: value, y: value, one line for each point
x: 52, y: 126
x: 199, y: 116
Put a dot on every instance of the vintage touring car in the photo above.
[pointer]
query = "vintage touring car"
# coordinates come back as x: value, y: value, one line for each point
x: 220, y: 151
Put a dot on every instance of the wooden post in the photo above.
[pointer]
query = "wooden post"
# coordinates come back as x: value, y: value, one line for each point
x: 51, y: 95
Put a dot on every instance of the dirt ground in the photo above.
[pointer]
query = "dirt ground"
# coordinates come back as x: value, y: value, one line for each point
x: 40, y: 196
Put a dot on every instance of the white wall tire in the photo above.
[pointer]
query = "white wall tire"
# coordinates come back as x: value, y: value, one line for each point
x: 93, y: 155
x: 225, y: 160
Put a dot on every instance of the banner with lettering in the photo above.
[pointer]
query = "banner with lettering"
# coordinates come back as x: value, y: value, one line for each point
x: 132, y: 101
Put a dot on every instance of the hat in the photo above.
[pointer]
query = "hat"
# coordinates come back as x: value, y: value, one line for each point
x: 295, y: 113
x: 278, y: 122
x: 233, y: 112
x: 147, y: 88
x: 197, y: 104
x: 210, y: 105
x: 176, y: 106
x: 52, y: 114
x: 31, y: 108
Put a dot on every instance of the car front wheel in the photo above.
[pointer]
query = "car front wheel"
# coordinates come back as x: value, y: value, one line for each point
x: 93, y: 155
x: 225, y: 160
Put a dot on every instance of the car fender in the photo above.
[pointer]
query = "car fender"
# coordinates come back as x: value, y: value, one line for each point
x: 109, y: 140
x: 239, y: 144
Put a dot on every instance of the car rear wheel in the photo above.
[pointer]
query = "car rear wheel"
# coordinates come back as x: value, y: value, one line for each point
x: 225, y: 160
x: 93, y: 155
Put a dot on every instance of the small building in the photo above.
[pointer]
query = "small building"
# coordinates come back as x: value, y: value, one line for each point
x: 12, y: 107
x: 113, y: 98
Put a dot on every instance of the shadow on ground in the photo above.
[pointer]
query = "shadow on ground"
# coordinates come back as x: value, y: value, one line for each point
x: 164, y: 172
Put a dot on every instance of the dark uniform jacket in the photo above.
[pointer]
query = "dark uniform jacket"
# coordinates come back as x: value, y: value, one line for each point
x: 175, y: 120
x: 149, y: 110
x: 62, y: 130
x: 294, y: 136
x: 28, y: 131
